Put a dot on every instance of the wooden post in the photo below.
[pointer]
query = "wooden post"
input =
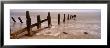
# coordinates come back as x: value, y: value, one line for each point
x: 74, y: 17
x: 49, y: 20
x: 71, y: 16
x: 20, y: 19
x: 38, y: 21
x: 28, y: 23
x: 58, y: 19
x: 68, y: 17
x: 64, y: 18
x: 13, y: 19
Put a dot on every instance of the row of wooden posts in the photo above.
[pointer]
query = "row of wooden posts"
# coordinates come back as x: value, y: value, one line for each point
x: 38, y: 18
x: 68, y: 18
x: 29, y: 26
x: 38, y: 24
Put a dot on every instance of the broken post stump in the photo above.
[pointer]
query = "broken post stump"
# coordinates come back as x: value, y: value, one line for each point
x: 74, y: 17
x: 58, y: 19
x: 64, y: 18
x: 68, y: 17
x: 28, y: 23
x: 38, y: 21
x: 85, y: 33
x: 13, y: 19
x: 65, y: 32
x: 20, y: 19
x: 49, y: 20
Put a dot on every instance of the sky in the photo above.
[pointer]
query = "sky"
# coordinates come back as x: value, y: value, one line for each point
x: 56, y: 10
x: 22, y: 11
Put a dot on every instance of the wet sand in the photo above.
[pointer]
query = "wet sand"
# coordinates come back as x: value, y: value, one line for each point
x: 73, y: 32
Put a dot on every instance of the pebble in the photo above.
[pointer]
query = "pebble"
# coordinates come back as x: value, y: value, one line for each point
x: 85, y: 33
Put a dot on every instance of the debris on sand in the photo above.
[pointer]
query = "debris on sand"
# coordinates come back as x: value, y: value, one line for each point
x: 85, y: 33
x: 65, y: 33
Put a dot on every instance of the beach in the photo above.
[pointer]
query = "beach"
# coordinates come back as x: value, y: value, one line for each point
x: 86, y: 26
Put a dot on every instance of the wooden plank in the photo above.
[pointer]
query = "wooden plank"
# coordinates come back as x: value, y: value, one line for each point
x: 20, y: 20
x: 13, y: 19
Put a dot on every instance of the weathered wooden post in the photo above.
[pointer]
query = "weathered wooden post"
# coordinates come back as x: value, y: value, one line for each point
x: 74, y: 17
x: 64, y: 18
x: 49, y: 20
x: 38, y: 21
x: 68, y: 17
x: 28, y: 23
x: 13, y: 19
x: 71, y: 16
x: 20, y: 19
x: 58, y: 19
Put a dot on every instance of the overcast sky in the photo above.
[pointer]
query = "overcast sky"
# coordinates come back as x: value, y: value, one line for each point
x: 21, y: 12
x: 55, y: 10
